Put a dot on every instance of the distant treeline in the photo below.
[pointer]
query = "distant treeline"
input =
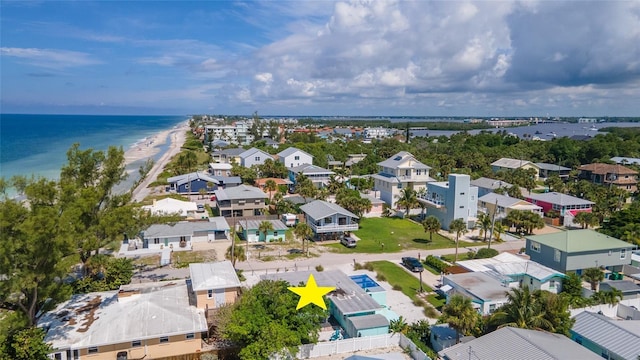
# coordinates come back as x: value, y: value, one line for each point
x: 430, y: 125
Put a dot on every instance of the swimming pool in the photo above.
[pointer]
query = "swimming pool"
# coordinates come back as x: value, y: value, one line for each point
x: 364, y: 281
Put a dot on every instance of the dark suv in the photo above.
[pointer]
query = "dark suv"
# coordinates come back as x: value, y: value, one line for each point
x: 412, y: 264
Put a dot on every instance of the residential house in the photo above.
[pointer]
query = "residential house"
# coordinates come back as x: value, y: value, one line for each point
x: 356, y: 312
x: 318, y: 176
x: 547, y: 170
x: 501, y: 205
x: 442, y: 336
x: 607, y: 338
x: 623, y: 160
x: 251, y: 231
x: 485, y: 291
x: 240, y: 201
x: 508, y: 164
x: 565, y: 205
x: 451, y: 200
x: 610, y: 175
x: 517, y: 271
x: 173, y: 206
x: 515, y: 343
x: 628, y: 288
x: 487, y: 185
x: 220, y: 169
x: 270, y: 142
x: 353, y: 159
x: 192, y: 183
x: 400, y: 171
x: 576, y: 250
x: 183, y: 234
x: 377, y: 206
x: 228, y: 156
x: 253, y: 156
x: 149, y: 320
x: 292, y: 157
x: 214, y: 284
x: 328, y: 220
x: 219, y: 144
x: 261, y: 183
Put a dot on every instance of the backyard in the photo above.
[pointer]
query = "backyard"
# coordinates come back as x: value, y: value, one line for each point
x: 381, y: 235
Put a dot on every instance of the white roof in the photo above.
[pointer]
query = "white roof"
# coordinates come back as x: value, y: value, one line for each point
x: 171, y: 206
x: 220, y: 166
x: 398, y: 161
x: 101, y: 318
x: 290, y: 151
x: 214, y: 275
x: 508, y: 202
x: 252, y: 151
x: 511, y: 163
x: 507, y: 264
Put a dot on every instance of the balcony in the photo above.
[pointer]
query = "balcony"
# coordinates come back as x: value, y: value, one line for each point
x: 328, y: 228
x: 433, y: 202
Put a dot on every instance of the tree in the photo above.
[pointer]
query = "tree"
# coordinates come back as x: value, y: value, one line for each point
x: 238, y: 254
x: 202, y: 193
x: 431, y: 225
x: 264, y: 227
x: 408, y: 199
x: 593, y: 276
x: 334, y: 185
x: 459, y: 314
x: 586, y: 219
x: 398, y: 326
x: 521, y: 311
x: 459, y: 227
x: 555, y: 183
x: 484, y: 224
x: 611, y: 297
x: 265, y: 322
x: 304, y: 233
x: 26, y: 344
x: 270, y: 186
x: 572, y: 285
x: 273, y: 169
x: 305, y: 187
x: 498, y: 229
x: 352, y: 201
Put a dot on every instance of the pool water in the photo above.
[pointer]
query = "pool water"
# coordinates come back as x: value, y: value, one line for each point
x: 364, y: 281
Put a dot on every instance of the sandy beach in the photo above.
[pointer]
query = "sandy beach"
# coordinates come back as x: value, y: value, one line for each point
x: 149, y: 148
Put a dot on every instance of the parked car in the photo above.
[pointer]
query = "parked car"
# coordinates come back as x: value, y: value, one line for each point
x: 348, y: 242
x: 412, y: 264
x: 200, y: 208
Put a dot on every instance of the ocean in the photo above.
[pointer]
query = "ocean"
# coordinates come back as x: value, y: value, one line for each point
x: 37, y: 144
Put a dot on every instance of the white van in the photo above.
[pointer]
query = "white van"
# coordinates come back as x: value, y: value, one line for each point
x: 289, y: 219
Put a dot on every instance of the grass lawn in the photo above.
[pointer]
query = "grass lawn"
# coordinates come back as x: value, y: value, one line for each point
x: 380, y: 235
x: 182, y: 259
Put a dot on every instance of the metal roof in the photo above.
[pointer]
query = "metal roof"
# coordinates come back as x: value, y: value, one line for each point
x: 608, y: 334
x: 396, y: 161
x: 255, y: 224
x: 506, y: 201
x: 310, y: 169
x: 101, y: 318
x: 252, y: 151
x: 487, y: 183
x: 572, y: 241
x: 511, y: 163
x: 240, y: 192
x: 230, y: 152
x: 290, y: 151
x: 182, y: 179
x: 348, y: 297
x: 185, y: 228
x: 320, y: 209
x: 369, y: 321
x: 552, y: 167
x: 480, y: 285
x: 627, y: 160
x: 559, y: 199
x: 506, y: 264
x: 213, y: 275
x: 510, y: 343
x: 626, y: 286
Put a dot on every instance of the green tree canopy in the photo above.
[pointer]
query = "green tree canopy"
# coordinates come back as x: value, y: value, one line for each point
x: 460, y: 315
x: 431, y: 225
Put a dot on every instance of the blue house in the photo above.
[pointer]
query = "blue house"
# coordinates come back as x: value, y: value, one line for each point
x: 251, y: 231
x: 453, y: 199
x: 192, y: 183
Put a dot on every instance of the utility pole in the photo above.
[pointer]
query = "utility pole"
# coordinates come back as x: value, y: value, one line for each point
x: 493, y: 222
x: 421, y: 290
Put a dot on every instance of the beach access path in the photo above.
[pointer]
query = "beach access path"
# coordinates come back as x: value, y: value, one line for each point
x: 177, y: 137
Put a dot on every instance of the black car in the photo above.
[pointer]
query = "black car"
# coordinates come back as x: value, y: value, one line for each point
x: 412, y: 264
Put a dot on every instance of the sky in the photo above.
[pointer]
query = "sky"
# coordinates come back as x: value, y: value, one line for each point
x: 331, y: 58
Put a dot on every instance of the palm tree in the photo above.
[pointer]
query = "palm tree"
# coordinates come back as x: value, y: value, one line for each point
x: 304, y: 232
x: 398, y: 326
x: 264, y: 227
x: 238, y: 254
x: 458, y: 227
x: 522, y: 310
x: 586, y: 219
x: 459, y: 314
x: 498, y: 229
x: 431, y: 225
x: 408, y: 199
x: 593, y: 276
x: 484, y: 224
x: 270, y: 186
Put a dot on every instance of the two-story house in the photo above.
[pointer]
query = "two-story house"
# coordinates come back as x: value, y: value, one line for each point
x: 214, y: 284
x: 508, y: 164
x: 501, y: 205
x: 576, y: 250
x: 192, y: 183
x: 318, y: 176
x: 292, y: 157
x: 400, y: 171
x: 547, y: 170
x: 228, y: 156
x: 328, y: 221
x: 566, y: 205
x: 453, y: 199
x: 239, y: 201
x: 488, y: 185
x: 220, y: 169
x: 610, y: 175
x: 253, y: 156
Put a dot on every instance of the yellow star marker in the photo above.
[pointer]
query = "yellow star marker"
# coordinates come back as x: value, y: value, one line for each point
x: 311, y: 293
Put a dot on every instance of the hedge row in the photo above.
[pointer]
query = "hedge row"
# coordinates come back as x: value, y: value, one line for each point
x: 436, y: 263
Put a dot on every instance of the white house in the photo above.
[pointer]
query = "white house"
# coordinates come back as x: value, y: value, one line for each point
x: 400, y: 171
x: 293, y: 157
x: 172, y: 206
x: 253, y: 156
x: 220, y: 169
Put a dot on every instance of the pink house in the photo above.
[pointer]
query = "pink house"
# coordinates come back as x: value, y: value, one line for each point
x: 566, y: 205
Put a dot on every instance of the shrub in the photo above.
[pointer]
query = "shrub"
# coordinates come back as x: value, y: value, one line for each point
x: 418, y: 302
x: 368, y: 266
x: 397, y: 287
x: 485, y: 253
x: 436, y: 263
x: 381, y: 277
x: 357, y: 266
x: 319, y: 268
x: 430, y: 312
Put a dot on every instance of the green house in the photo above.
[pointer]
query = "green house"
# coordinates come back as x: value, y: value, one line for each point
x: 251, y: 232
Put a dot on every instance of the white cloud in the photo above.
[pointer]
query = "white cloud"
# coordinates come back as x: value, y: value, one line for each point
x: 50, y: 58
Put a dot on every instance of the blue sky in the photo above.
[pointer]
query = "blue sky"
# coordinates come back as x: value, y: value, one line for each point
x: 440, y: 58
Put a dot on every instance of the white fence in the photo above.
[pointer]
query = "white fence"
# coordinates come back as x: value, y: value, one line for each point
x: 352, y: 345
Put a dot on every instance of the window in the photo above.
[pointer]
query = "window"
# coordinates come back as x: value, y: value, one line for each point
x: 556, y: 255
x: 461, y: 193
x: 136, y: 343
x: 275, y: 233
x: 296, y: 158
x: 190, y: 336
x: 418, y: 172
x: 258, y: 233
x: 156, y: 240
x: 552, y: 284
x: 164, y: 339
x: 209, y: 294
x: 530, y: 281
x: 535, y: 246
x: 57, y: 356
x: 461, y: 206
x: 623, y: 253
x: 93, y: 350
x: 257, y: 158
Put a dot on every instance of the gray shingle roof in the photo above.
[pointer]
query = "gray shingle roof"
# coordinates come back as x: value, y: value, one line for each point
x: 396, y: 160
x: 559, y: 199
x: 213, y: 275
x: 487, y: 183
x: 240, y: 192
x: 289, y: 151
x: 252, y: 151
x: 608, y: 334
x: 512, y: 343
x: 320, y: 209
x: 369, y: 321
x: 480, y: 285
